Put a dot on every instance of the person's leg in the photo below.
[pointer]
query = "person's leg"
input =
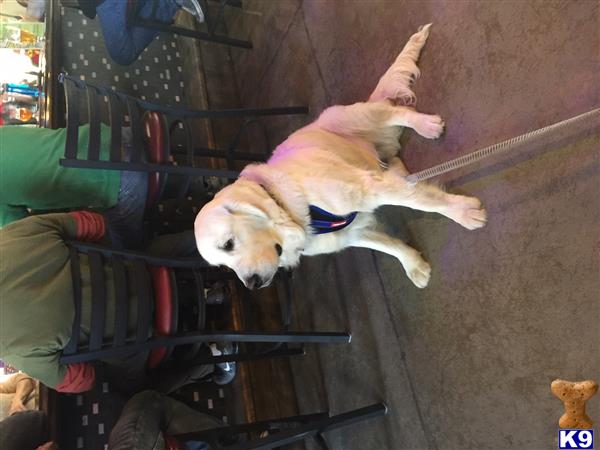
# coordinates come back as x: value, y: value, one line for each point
x: 126, y: 218
x: 23, y: 390
x: 141, y: 423
x: 23, y: 430
x: 172, y: 377
x: 182, y: 419
x: 125, y: 44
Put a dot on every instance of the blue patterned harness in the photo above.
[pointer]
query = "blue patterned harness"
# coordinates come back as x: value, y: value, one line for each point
x: 322, y: 221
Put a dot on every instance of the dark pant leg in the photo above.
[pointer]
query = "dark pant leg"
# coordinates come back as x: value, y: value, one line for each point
x: 130, y: 375
x: 126, y: 218
x: 177, y: 374
x: 141, y: 424
x: 183, y: 419
x: 23, y: 430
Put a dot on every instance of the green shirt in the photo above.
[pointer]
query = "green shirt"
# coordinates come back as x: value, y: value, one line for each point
x: 31, y: 177
x: 36, y: 295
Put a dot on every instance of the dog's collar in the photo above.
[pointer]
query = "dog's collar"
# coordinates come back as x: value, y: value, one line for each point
x: 322, y: 221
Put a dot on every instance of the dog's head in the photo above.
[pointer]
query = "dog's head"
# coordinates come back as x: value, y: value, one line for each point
x: 244, y: 229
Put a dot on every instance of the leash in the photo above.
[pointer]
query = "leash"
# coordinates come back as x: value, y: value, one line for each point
x: 500, y: 147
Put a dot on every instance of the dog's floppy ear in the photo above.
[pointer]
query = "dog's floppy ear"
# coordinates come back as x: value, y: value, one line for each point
x: 245, y: 208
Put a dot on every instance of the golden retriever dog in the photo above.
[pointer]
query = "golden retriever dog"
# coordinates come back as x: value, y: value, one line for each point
x: 338, y: 169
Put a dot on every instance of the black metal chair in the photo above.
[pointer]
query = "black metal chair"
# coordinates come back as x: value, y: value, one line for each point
x: 280, y: 431
x: 130, y: 272
x: 153, y: 123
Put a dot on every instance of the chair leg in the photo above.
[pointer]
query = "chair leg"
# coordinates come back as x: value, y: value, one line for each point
x: 312, y: 429
x: 291, y: 337
x: 321, y: 442
x: 206, y: 337
x: 215, y: 434
x: 239, y: 357
x: 221, y: 153
x: 203, y: 36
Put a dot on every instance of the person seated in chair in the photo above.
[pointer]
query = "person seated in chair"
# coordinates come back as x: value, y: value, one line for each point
x: 31, y: 178
x: 126, y: 43
x: 37, y: 305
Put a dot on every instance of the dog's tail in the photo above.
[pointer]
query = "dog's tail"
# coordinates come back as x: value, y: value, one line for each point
x: 395, y: 84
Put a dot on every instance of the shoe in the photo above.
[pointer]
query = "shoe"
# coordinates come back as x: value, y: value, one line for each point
x: 194, y: 8
x: 224, y: 372
x: 216, y: 295
x: 215, y: 184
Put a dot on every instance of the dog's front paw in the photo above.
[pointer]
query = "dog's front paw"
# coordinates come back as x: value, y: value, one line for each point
x: 429, y: 126
x: 419, y: 273
x: 469, y: 212
x: 474, y: 218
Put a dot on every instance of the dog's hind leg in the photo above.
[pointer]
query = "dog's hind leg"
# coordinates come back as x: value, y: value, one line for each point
x: 380, y: 120
x: 395, y: 84
x: 417, y: 269
x: 372, y: 120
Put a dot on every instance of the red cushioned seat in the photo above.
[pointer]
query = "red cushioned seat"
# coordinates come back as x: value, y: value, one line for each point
x: 165, y: 310
x: 154, y: 132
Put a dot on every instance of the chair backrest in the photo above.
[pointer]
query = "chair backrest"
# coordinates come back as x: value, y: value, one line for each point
x: 130, y: 273
x: 84, y: 105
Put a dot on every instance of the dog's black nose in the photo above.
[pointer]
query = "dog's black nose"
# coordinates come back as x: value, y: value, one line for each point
x: 278, y: 249
x: 254, y: 282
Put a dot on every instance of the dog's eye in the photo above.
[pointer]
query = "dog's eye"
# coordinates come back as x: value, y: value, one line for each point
x: 228, y: 246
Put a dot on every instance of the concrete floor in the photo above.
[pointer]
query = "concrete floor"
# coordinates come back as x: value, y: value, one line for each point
x: 467, y: 362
